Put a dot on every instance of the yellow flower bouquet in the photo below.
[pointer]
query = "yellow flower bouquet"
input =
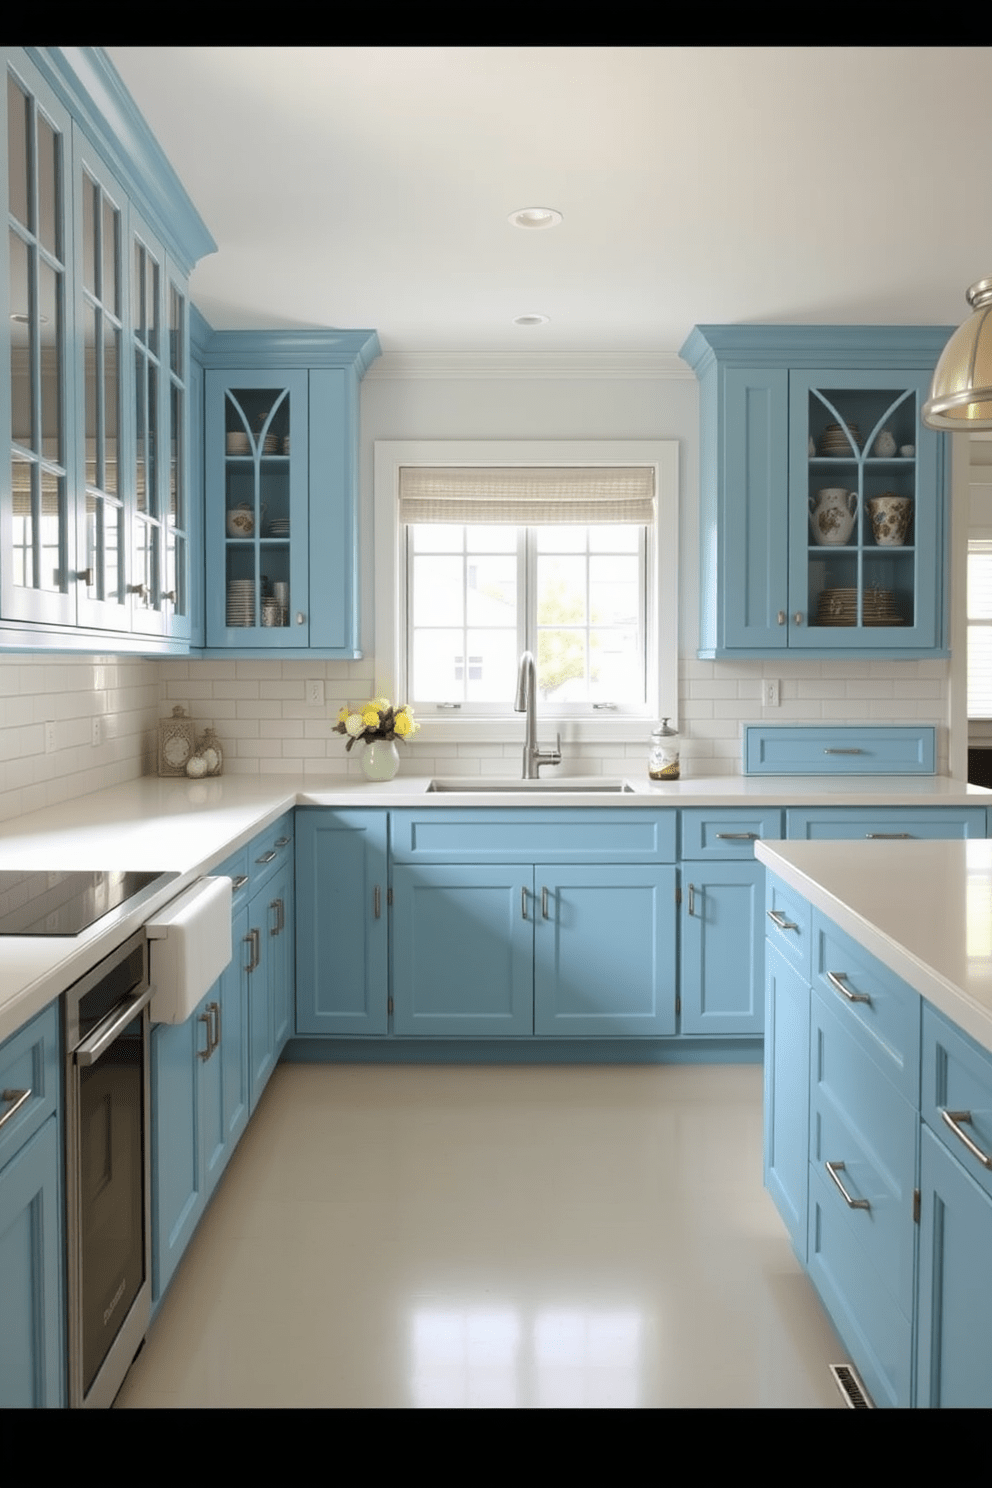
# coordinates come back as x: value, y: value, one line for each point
x: 376, y: 719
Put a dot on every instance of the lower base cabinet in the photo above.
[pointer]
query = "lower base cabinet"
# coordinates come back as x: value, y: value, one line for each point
x: 32, y: 1224
x: 518, y: 949
x: 209, y: 1072
x: 861, y: 1076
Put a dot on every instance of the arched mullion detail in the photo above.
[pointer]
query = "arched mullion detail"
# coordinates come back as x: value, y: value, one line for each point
x: 857, y: 455
x: 870, y: 440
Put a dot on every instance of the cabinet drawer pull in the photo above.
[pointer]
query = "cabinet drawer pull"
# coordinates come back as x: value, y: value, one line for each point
x: 18, y: 1097
x: 282, y: 841
x: 833, y: 1168
x: 692, y: 899
x: 254, y: 938
x: 238, y: 882
x: 780, y: 921
x: 523, y: 904
x: 207, y: 1018
x: 544, y: 904
x: 277, y: 905
x: 951, y: 1119
x: 889, y: 836
x: 843, y: 751
x: 266, y: 857
x: 377, y: 901
x: 737, y: 836
x: 837, y: 980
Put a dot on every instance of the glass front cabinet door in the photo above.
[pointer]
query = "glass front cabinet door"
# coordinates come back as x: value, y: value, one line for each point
x: 257, y: 543
x: 865, y: 484
x: 94, y: 510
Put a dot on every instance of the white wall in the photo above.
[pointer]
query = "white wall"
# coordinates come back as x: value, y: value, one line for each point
x: 259, y: 708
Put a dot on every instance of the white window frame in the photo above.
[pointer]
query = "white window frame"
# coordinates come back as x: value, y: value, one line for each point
x: 980, y: 724
x: 390, y: 599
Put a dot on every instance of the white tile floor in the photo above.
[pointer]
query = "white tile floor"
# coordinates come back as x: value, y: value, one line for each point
x: 410, y: 1236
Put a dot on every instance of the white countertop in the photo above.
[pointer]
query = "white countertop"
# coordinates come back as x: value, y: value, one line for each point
x: 923, y: 908
x: 188, y: 827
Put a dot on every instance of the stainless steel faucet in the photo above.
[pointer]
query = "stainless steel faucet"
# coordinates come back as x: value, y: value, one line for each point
x: 526, y: 702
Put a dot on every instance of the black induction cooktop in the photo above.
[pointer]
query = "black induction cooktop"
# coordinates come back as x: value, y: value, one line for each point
x: 56, y: 903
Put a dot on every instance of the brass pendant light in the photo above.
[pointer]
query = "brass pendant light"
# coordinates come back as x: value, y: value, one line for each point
x: 961, y: 391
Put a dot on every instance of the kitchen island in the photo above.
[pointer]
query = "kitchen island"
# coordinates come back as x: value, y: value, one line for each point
x: 878, y: 1102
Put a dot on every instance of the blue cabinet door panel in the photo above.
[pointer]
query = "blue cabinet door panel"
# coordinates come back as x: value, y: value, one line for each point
x: 462, y: 949
x: 955, y: 1309
x: 786, y: 1093
x: 723, y: 988
x: 604, y: 950
x: 341, y: 940
x: 871, y: 1324
x: 32, y: 1359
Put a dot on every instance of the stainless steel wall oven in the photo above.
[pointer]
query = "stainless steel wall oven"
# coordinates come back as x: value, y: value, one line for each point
x: 108, y: 1184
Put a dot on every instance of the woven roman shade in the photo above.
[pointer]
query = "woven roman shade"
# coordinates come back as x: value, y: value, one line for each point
x: 526, y: 496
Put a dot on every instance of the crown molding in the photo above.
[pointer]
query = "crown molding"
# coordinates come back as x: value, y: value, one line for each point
x: 554, y: 365
x: 89, y: 85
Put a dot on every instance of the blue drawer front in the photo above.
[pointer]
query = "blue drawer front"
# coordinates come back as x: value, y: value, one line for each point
x: 865, y: 750
x: 879, y: 1010
x: 921, y: 823
x: 728, y: 834
x: 555, y: 836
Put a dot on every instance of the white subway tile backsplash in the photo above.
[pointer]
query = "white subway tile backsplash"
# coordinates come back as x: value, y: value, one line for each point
x: 261, y: 714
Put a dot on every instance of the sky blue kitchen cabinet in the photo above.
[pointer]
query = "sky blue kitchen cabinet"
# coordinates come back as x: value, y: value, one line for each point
x: 721, y: 983
x: 554, y: 923
x: 96, y: 516
x: 955, y: 1267
x: 200, y: 1097
x: 850, y: 823
x: 787, y: 413
x: 463, y: 949
x: 342, y: 955
x: 32, y: 1226
x: 281, y: 490
x: 271, y: 966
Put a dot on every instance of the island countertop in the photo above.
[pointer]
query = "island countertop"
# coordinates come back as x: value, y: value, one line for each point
x: 924, y: 909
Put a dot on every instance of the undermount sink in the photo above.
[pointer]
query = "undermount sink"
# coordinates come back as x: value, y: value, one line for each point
x: 561, y: 784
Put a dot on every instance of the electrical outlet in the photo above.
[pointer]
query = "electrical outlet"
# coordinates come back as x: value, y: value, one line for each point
x: 96, y: 736
x: 315, y: 694
x: 49, y: 738
x: 769, y: 694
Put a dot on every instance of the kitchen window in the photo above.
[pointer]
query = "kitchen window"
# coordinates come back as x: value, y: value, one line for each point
x: 979, y: 629
x: 487, y: 550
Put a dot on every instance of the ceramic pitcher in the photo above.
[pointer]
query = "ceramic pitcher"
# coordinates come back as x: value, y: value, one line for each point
x: 832, y: 513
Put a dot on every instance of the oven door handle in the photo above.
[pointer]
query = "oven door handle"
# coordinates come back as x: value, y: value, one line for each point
x: 99, y: 1041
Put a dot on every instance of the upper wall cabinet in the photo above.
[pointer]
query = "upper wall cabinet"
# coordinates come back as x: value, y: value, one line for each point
x: 96, y: 520
x: 822, y: 496
x: 281, y: 490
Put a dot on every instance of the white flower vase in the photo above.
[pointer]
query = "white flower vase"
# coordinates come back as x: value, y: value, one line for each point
x: 380, y: 759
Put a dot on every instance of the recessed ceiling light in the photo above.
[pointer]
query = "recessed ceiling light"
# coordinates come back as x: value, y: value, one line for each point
x: 530, y: 320
x: 535, y: 217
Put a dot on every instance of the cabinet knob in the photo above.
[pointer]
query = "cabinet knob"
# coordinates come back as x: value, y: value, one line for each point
x: 300, y: 618
x: 85, y: 576
x: 797, y: 618
x: 781, y: 617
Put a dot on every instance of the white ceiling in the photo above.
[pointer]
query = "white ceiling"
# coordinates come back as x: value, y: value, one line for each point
x: 370, y: 187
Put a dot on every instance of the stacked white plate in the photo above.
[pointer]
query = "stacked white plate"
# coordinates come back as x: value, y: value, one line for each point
x: 279, y: 527
x: 238, y: 444
x: 241, y: 602
x: 834, y: 441
x: 840, y: 607
x: 270, y: 444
